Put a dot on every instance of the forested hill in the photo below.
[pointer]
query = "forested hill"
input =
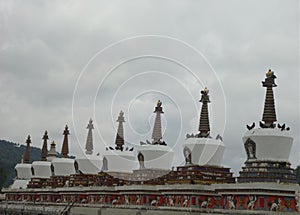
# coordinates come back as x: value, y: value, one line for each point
x: 10, y: 155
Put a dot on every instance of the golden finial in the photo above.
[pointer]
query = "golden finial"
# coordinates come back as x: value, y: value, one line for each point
x: 269, y: 73
x: 206, y: 90
x: 159, y: 103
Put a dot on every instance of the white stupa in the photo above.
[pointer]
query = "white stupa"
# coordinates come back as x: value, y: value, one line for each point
x: 24, y: 169
x: 271, y: 143
x: 90, y: 163
x: 42, y: 168
x: 268, y: 147
x: 201, y: 149
x: 120, y: 158
x: 52, y: 152
x: 156, y: 154
x: 64, y: 166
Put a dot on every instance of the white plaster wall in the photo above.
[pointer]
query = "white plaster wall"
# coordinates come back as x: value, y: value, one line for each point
x: 63, y: 166
x: 42, y: 169
x: 89, y: 164
x: 120, y: 161
x: 205, y: 151
x: 157, y: 156
x: 271, y: 144
x: 23, y: 170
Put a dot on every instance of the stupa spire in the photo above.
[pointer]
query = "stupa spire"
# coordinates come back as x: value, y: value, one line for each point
x: 204, y: 128
x: 269, y: 114
x: 26, y: 157
x: 89, y: 140
x: 65, y: 146
x: 157, y: 134
x: 44, y: 148
x: 120, y: 133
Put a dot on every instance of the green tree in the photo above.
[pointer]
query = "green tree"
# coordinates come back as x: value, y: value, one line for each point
x: 3, y: 177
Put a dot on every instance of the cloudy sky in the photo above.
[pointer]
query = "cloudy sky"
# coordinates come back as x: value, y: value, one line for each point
x: 64, y: 62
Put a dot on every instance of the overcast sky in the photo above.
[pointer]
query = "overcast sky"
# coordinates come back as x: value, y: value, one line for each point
x: 64, y: 62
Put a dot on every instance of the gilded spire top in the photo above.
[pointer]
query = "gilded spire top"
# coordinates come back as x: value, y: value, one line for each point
x: 204, y: 96
x: 158, y: 107
x: 270, y: 79
x: 159, y: 103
